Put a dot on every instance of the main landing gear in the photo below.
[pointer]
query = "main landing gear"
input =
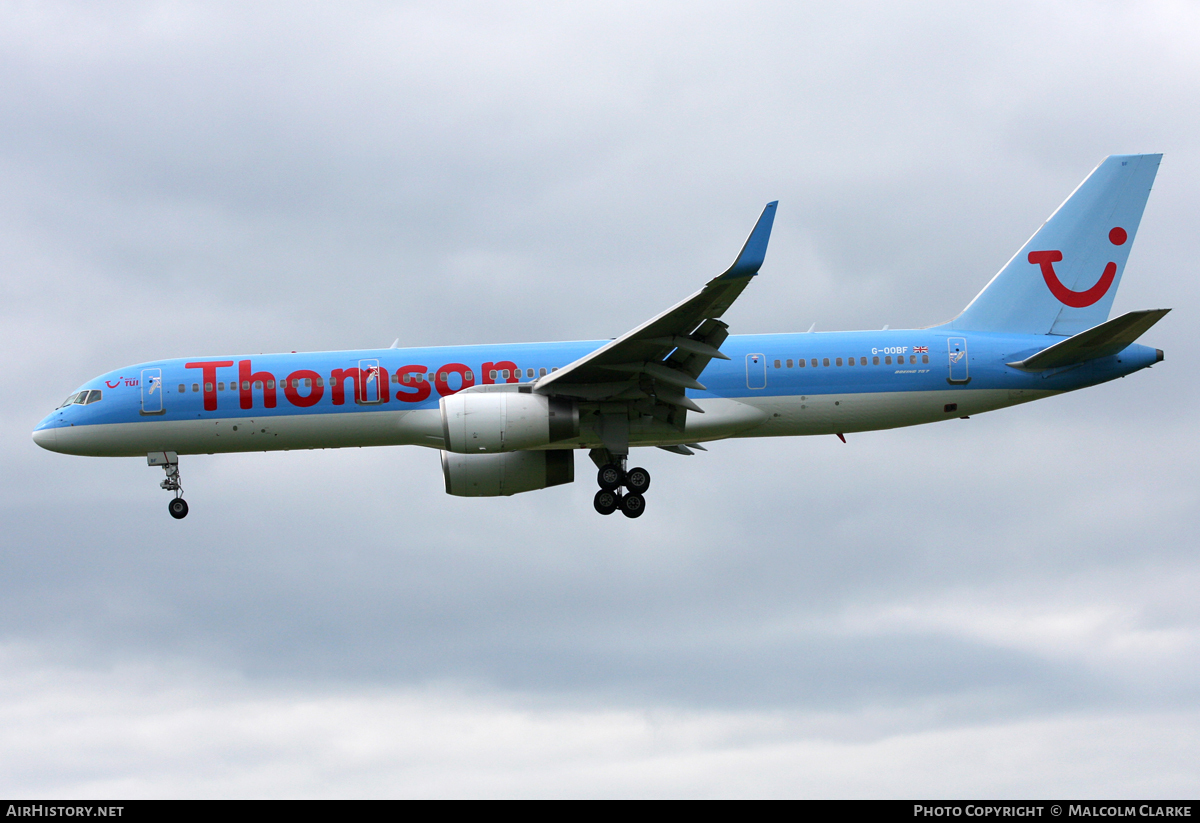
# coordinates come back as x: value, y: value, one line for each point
x: 169, y: 461
x: 611, y: 477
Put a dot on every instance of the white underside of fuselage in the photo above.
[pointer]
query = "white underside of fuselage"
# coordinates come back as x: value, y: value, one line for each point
x: 779, y: 416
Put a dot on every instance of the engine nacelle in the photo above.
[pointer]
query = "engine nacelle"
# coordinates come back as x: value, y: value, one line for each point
x: 492, y: 475
x: 490, y: 422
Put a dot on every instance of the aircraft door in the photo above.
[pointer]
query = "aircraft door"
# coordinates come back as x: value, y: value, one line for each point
x: 152, y: 391
x: 958, y: 360
x: 756, y: 371
x: 371, y: 391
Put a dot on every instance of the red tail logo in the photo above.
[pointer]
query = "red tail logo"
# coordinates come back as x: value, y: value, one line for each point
x: 1077, y: 299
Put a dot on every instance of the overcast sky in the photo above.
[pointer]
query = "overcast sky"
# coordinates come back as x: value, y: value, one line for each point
x: 1003, y: 606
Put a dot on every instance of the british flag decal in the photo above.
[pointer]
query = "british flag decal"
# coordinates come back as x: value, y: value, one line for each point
x: 921, y: 349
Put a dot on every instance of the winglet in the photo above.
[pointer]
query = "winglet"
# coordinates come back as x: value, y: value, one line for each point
x: 755, y: 251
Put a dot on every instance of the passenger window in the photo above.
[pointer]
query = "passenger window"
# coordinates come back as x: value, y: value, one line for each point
x: 776, y: 364
x: 258, y: 384
x: 862, y: 361
x: 320, y: 382
x: 888, y: 360
x: 789, y: 364
x: 504, y: 373
x: 467, y: 375
x: 208, y: 387
x: 308, y: 382
x: 924, y: 358
x: 874, y: 361
x: 555, y: 368
x: 195, y: 387
x: 825, y: 362
x: 245, y: 385
x: 492, y: 374
x: 443, y: 376
x: 221, y: 386
x: 912, y: 359
x: 850, y: 362
x: 529, y: 372
x: 332, y: 380
x: 541, y: 372
x: 801, y: 363
x: 839, y: 361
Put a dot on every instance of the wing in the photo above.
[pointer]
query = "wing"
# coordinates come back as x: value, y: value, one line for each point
x: 666, y: 354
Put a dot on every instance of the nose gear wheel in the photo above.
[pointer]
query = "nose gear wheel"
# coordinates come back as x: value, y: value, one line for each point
x: 172, y: 483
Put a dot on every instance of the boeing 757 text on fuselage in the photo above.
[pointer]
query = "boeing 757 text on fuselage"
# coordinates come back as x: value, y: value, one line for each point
x: 507, y: 418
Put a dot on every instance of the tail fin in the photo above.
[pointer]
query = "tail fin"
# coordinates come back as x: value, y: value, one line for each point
x: 1064, y: 279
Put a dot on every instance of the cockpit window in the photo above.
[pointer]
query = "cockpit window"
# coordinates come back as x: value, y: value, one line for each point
x: 82, y: 398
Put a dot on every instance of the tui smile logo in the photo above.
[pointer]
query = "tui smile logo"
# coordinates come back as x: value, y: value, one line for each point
x: 1077, y: 299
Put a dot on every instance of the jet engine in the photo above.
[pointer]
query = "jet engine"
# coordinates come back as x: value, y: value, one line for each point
x: 495, y: 421
x: 492, y: 475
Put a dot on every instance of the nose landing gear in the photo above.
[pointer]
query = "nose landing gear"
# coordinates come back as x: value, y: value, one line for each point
x: 169, y: 461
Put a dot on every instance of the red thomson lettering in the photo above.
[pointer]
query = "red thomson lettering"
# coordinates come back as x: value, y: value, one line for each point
x: 488, y: 368
x: 420, y: 391
x: 247, y: 379
x: 208, y: 372
x: 291, y: 389
x: 443, y: 386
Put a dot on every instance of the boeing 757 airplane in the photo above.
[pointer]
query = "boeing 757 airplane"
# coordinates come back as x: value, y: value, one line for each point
x: 508, y: 417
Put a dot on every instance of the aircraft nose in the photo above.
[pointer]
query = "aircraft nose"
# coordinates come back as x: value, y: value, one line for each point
x: 46, y: 438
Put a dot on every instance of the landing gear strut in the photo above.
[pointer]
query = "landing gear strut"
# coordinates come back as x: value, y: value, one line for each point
x: 169, y: 461
x: 612, y: 477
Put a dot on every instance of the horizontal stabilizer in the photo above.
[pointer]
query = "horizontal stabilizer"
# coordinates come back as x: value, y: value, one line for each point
x: 1104, y: 340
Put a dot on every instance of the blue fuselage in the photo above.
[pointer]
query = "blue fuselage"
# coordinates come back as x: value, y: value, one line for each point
x: 773, y: 384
